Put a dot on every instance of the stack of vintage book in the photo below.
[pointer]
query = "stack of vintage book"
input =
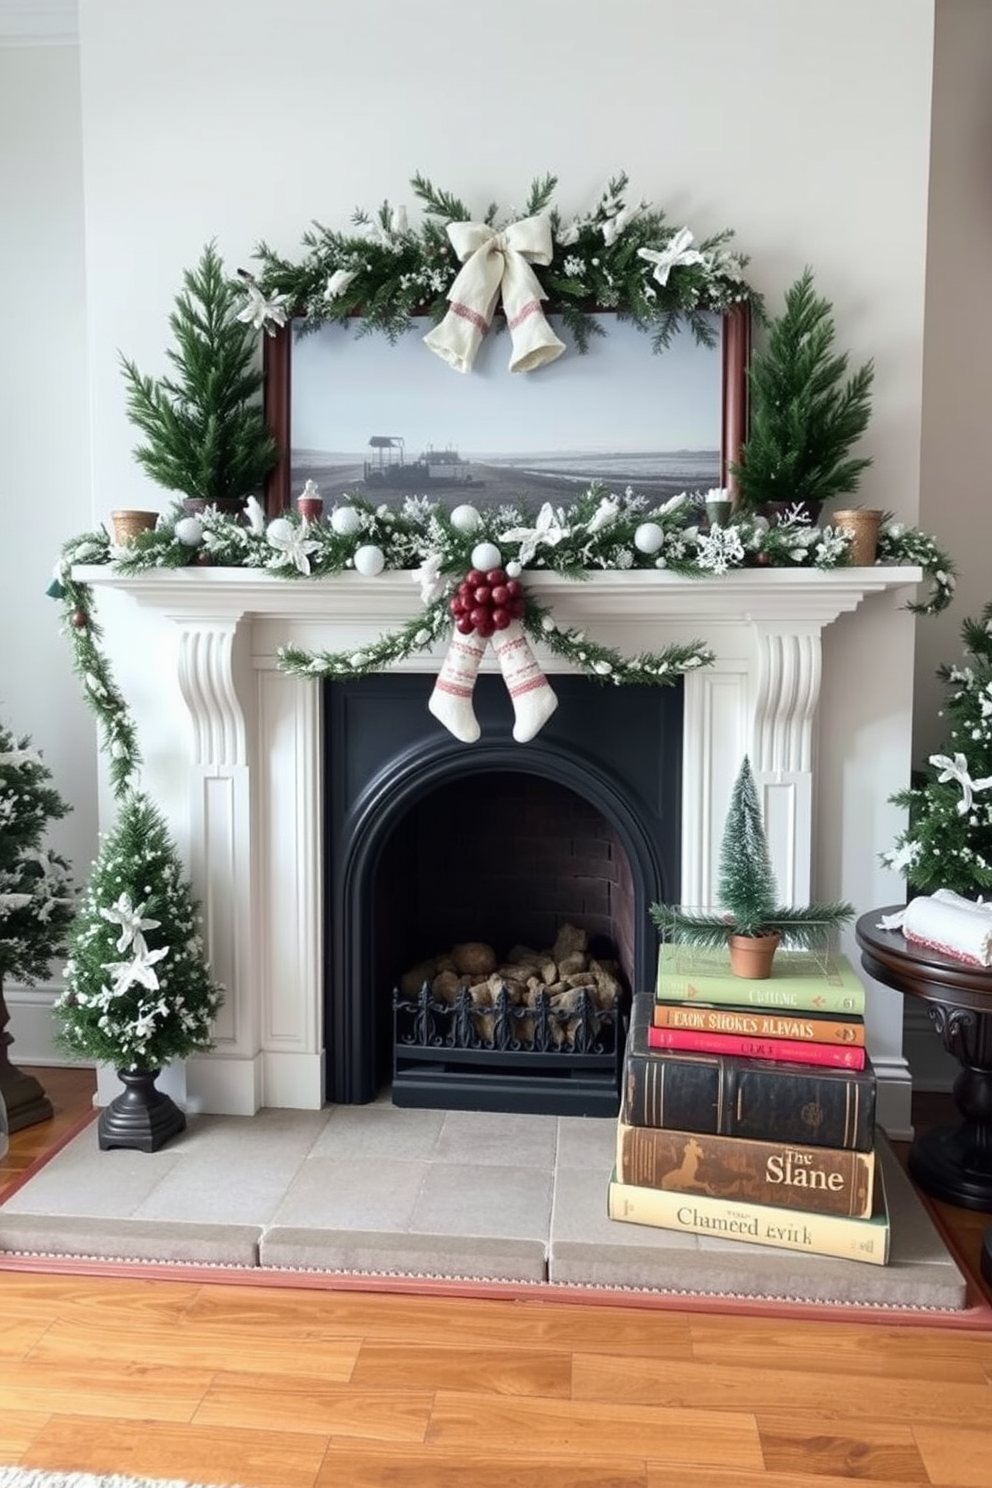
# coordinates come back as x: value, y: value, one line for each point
x: 748, y: 1109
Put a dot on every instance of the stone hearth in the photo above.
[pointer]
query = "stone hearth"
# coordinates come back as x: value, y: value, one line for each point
x: 234, y: 754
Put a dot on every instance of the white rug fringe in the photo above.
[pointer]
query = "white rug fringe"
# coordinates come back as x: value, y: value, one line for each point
x: 28, y: 1477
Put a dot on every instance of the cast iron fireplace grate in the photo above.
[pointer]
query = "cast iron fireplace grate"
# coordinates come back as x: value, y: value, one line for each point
x: 541, y: 1058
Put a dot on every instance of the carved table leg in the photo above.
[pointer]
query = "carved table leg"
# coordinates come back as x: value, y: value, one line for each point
x: 955, y: 1163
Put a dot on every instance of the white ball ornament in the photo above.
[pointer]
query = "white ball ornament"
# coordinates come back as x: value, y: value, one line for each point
x: 280, y: 529
x: 486, y: 555
x: 189, y: 531
x: 465, y: 519
x: 513, y: 569
x: 345, y: 521
x: 369, y: 560
x: 649, y: 537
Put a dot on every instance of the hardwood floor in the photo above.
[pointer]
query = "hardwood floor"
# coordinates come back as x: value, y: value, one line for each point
x: 292, y: 1388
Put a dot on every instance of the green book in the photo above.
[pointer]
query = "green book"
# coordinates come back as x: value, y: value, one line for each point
x: 799, y: 980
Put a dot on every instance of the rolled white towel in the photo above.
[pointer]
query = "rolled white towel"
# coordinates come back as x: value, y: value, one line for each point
x: 947, y: 922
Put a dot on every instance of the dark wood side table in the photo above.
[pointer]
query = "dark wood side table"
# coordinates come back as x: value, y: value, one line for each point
x: 951, y: 1163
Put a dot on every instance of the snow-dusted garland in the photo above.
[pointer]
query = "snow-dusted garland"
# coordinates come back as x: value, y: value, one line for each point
x: 620, y: 257
x: 438, y: 547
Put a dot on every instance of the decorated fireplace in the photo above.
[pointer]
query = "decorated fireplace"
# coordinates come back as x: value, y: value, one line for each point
x: 241, y: 758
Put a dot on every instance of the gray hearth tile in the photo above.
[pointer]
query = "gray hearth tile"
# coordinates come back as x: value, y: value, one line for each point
x: 470, y: 1200
x: 105, y: 1239
x: 379, y: 1130
x: 444, y: 1255
x: 588, y: 1143
x: 272, y: 1136
x: 352, y: 1194
x: 84, y: 1180
x: 500, y: 1138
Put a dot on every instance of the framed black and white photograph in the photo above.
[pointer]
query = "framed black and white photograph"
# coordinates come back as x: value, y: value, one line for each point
x: 362, y: 416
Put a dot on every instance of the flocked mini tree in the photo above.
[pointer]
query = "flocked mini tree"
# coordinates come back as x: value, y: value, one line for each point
x: 806, y: 411
x: 746, y: 888
x: 138, y: 991
x: 948, y: 841
x: 205, y: 434
x: 36, y: 903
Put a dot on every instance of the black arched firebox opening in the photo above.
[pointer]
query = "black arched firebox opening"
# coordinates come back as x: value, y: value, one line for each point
x: 429, y: 841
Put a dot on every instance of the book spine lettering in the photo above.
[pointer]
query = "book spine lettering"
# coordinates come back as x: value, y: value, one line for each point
x: 756, y: 1224
x: 826, y: 1180
x: 759, y: 1023
x: 836, y: 1056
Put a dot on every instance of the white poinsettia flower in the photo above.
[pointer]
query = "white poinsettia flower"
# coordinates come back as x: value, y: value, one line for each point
x: 293, y: 547
x: 262, y: 313
x: 339, y: 281
x: 549, y: 530
x: 675, y: 253
x: 131, y: 919
x: 140, y: 970
x: 430, y: 578
x: 957, y: 769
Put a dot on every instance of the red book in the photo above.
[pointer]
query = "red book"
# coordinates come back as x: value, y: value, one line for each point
x: 786, y: 1050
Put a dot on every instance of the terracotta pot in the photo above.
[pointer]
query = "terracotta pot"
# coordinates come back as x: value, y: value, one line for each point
x: 863, y: 524
x: 751, y: 956
x: 127, y: 524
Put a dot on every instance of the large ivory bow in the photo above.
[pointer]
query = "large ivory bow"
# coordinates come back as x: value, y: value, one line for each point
x: 498, y: 263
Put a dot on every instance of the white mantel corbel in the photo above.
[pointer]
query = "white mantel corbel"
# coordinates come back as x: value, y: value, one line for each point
x: 254, y: 757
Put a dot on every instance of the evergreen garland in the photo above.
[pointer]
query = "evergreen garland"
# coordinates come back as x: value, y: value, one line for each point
x: 204, y: 429
x: 138, y: 993
x: 36, y: 895
x: 948, y: 841
x: 387, y: 270
x: 806, y: 412
x: 746, y: 888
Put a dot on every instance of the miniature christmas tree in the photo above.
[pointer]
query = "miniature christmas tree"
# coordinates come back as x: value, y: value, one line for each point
x: 948, y: 842
x: 205, y: 431
x: 746, y: 888
x: 806, y: 413
x: 138, y: 992
x: 36, y: 903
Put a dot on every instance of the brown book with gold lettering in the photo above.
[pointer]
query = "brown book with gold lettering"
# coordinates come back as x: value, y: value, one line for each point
x: 823, y: 1180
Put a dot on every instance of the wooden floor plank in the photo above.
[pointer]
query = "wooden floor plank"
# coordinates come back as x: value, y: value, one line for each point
x: 871, y: 1450
x: 251, y: 1459
x: 350, y: 1464
x: 496, y: 1370
x: 335, y: 1410
x: 550, y: 1428
x: 958, y: 1457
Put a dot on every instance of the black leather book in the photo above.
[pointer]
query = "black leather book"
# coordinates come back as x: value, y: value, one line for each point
x: 770, y: 1100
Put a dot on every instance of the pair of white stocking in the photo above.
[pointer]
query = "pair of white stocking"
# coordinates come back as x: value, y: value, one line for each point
x: 532, y: 697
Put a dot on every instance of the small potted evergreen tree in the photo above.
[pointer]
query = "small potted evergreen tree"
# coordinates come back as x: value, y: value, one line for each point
x: 36, y: 904
x: 751, y: 923
x: 138, y: 992
x: 205, y: 434
x: 806, y: 413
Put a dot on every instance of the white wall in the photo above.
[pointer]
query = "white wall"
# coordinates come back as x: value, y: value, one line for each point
x: 803, y: 127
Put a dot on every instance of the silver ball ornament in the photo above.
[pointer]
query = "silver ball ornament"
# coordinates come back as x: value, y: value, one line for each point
x: 345, y: 521
x: 189, y: 531
x: 649, y: 537
x: 486, y: 555
x: 465, y: 519
x: 369, y: 560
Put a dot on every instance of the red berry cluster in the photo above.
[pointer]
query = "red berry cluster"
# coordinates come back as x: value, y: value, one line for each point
x: 486, y: 602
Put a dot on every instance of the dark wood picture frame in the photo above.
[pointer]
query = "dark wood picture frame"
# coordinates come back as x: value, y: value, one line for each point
x: 735, y: 348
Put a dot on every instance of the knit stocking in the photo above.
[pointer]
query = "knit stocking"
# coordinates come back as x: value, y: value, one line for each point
x: 451, y: 700
x: 532, y: 697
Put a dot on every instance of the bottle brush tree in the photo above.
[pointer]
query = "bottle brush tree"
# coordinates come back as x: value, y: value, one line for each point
x: 948, y: 841
x: 204, y: 430
x: 746, y: 888
x: 138, y: 991
x: 806, y: 410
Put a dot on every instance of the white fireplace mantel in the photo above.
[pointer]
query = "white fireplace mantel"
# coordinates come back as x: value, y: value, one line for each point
x: 250, y: 757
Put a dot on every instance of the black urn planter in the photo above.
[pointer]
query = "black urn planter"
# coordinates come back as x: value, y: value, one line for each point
x: 142, y: 1116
